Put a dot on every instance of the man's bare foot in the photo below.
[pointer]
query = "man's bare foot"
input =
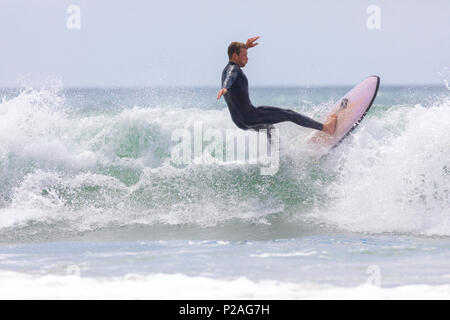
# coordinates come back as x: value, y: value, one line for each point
x: 330, y: 125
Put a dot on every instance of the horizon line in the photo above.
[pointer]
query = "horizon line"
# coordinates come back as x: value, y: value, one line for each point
x: 392, y: 85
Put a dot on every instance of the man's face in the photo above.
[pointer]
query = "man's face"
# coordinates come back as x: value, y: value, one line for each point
x: 242, y: 58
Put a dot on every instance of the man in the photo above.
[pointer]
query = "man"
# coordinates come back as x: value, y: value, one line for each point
x: 243, y: 113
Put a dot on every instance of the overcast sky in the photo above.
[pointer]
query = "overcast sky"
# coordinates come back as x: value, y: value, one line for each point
x: 184, y: 43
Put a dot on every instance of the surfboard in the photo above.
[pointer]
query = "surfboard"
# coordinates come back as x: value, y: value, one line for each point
x: 350, y: 110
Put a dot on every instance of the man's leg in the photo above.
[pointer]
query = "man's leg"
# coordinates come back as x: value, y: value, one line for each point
x: 272, y: 115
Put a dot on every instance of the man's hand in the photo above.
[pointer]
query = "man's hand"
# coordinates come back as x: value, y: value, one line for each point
x: 249, y: 44
x: 221, y: 93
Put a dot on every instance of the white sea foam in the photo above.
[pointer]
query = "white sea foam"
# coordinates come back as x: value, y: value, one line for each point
x: 394, y: 174
x: 178, y: 286
x: 89, y: 171
x: 288, y: 254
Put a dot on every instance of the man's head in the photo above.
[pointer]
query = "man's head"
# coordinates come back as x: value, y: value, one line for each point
x: 237, y: 53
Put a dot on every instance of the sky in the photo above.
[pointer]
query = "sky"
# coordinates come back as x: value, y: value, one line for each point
x: 184, y: 43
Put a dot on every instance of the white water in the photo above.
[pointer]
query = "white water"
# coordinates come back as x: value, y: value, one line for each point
x: 394, y: 174
x: 91, y: 171
x: 178, y: 286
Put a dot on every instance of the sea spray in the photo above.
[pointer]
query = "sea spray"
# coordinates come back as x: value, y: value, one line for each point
x: 71, y: 163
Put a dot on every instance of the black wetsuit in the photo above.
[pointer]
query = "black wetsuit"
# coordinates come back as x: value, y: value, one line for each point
x: 245, y: 115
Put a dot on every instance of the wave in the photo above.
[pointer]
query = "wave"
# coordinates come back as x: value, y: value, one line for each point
x: 67, y: 172
x: 394, y: 174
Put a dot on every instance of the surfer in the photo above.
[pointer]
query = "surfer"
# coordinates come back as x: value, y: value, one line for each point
x: 243, y: 113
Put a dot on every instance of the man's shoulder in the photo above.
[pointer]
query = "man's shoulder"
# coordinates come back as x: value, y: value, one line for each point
x: 233, y: 67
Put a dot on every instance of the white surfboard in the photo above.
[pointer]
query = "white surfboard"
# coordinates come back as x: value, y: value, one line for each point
x: 350, y: 110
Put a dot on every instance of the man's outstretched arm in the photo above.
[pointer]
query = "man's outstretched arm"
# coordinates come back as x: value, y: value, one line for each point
x: 221, y: 93
x: 228, y: 81
x: 250, y: 42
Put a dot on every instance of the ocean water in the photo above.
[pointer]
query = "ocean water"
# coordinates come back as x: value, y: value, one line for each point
x: 92, y: 205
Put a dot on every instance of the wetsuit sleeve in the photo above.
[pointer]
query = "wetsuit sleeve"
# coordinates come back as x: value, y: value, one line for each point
x: 231, y: 76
